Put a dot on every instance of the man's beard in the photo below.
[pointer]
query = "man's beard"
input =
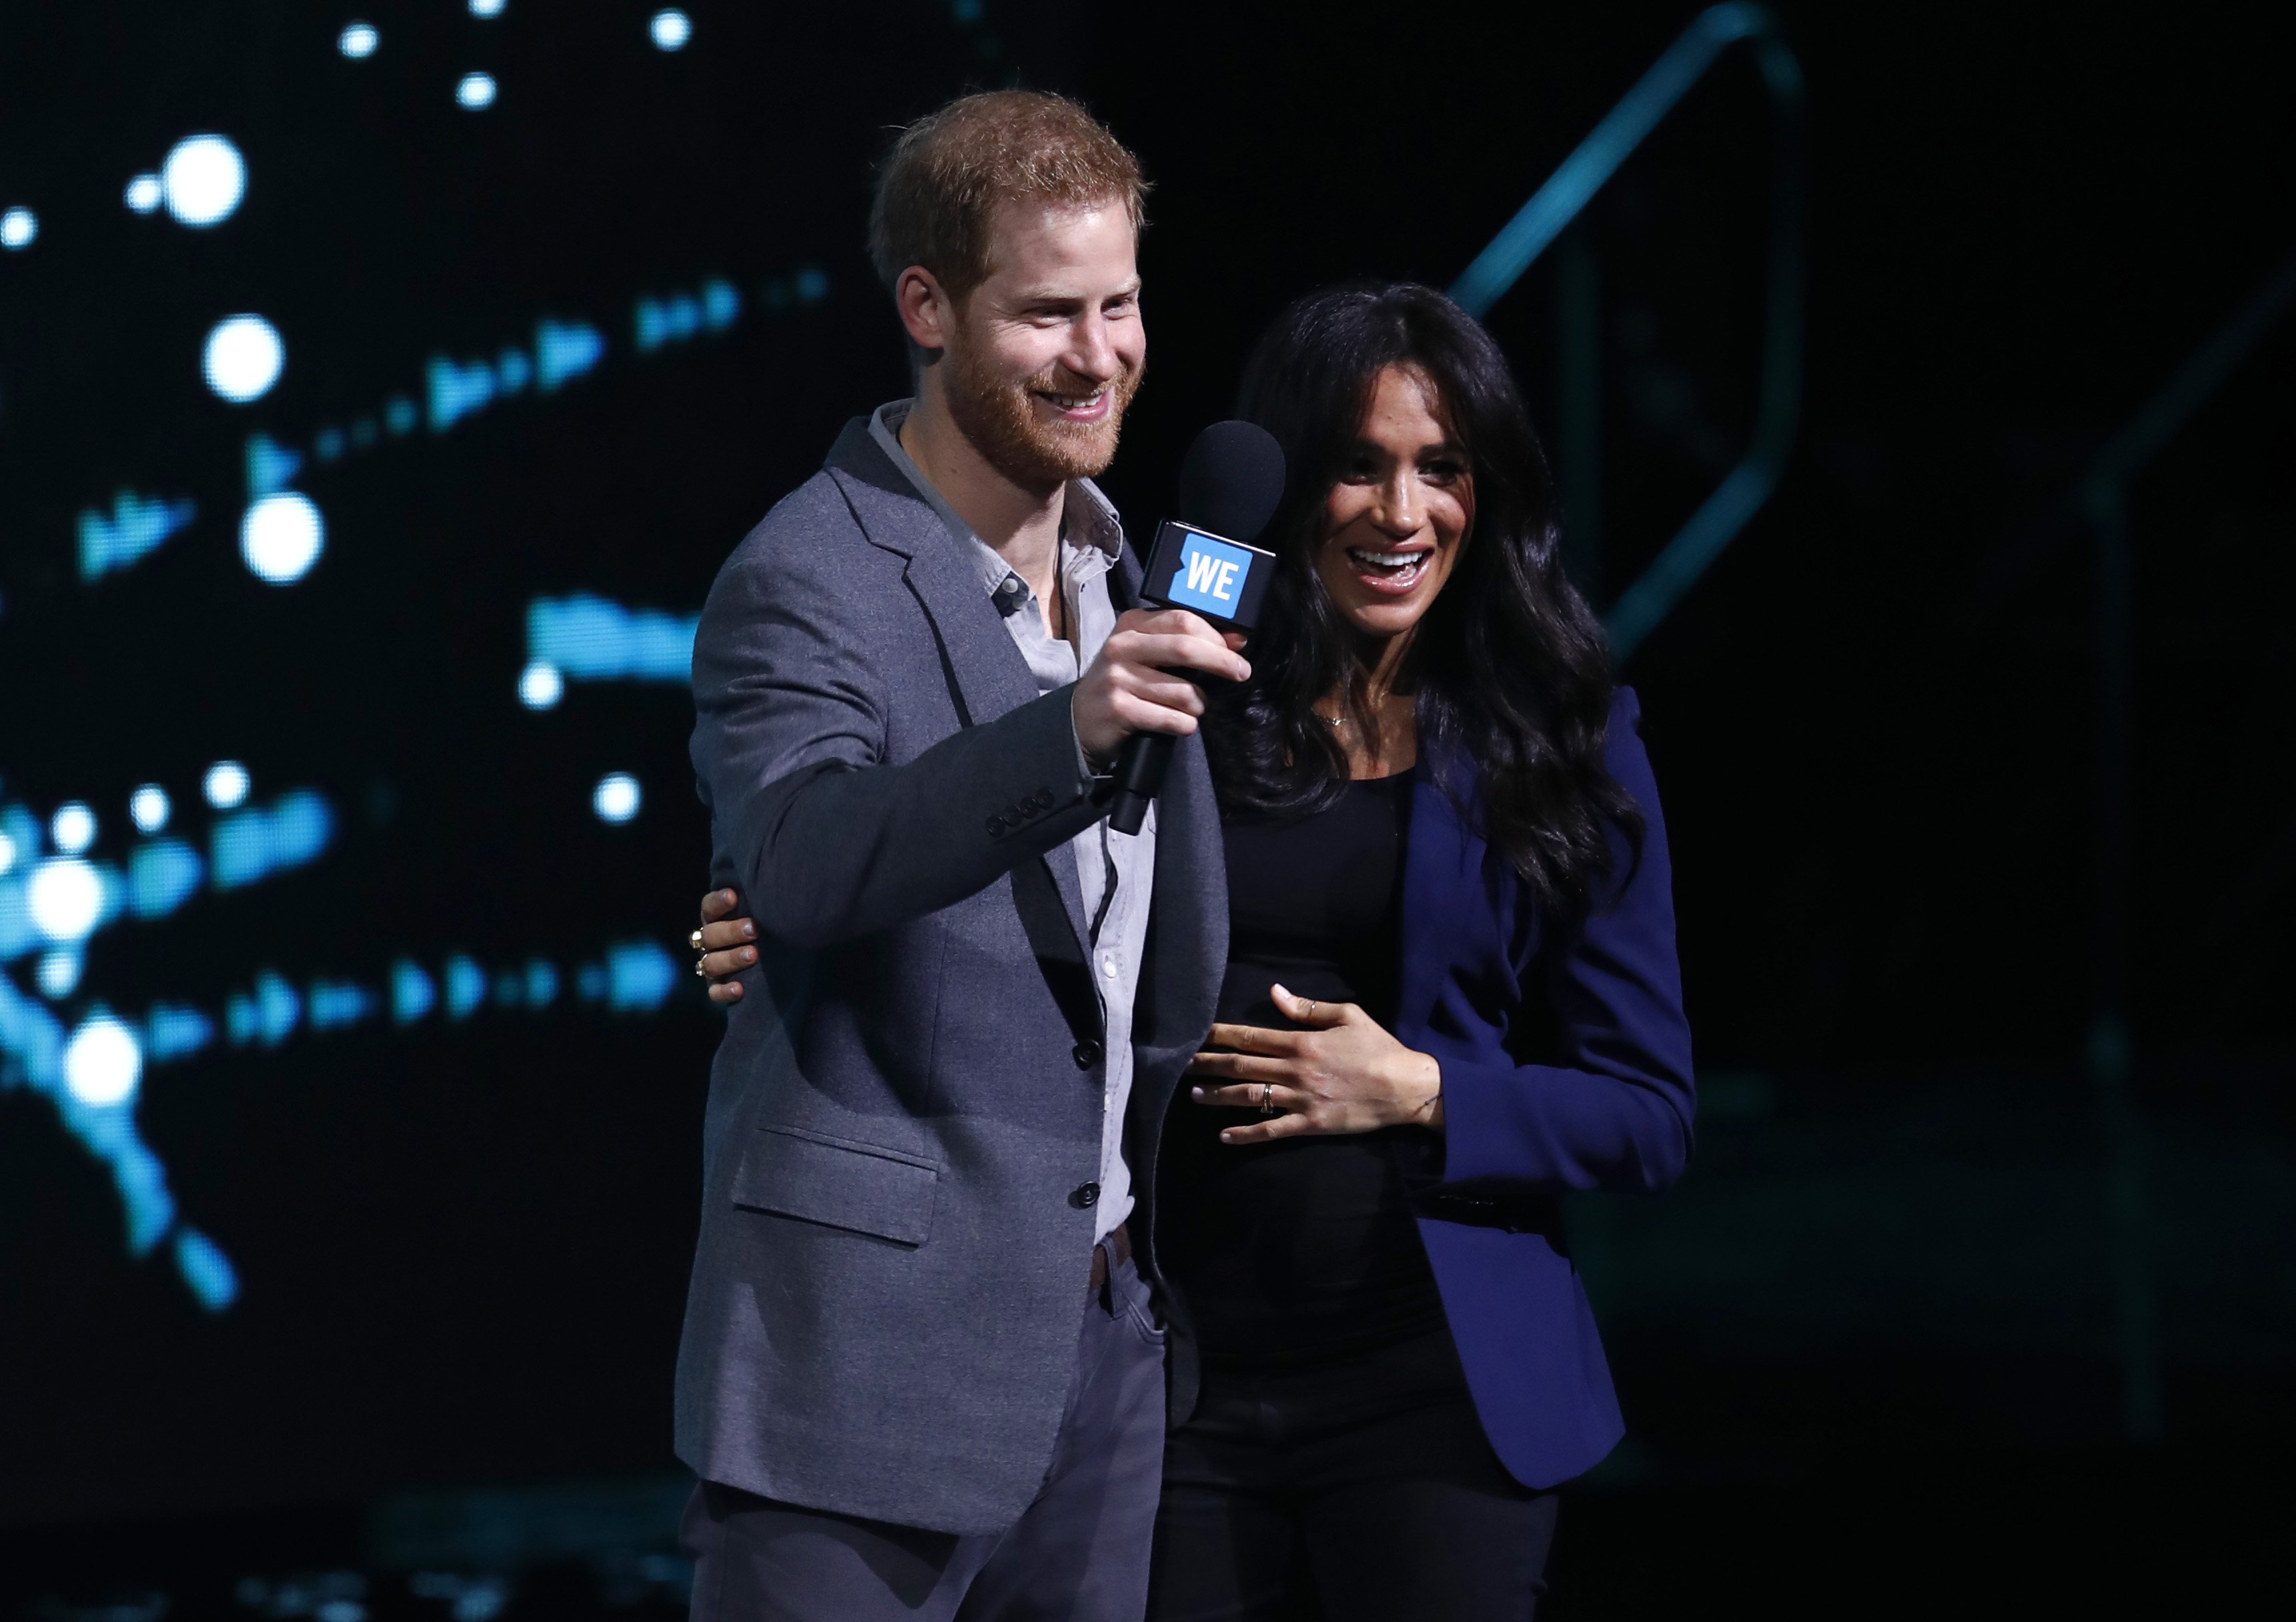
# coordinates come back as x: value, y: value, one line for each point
x: 998, y: 414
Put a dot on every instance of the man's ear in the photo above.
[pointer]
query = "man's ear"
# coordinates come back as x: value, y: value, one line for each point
x: 927, y: 314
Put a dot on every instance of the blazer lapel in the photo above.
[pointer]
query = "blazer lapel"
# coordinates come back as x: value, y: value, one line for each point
x: 986, y: 669
x: 990, y: 674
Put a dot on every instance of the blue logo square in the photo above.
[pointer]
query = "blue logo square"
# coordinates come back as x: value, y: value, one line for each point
x: 1210, y: 576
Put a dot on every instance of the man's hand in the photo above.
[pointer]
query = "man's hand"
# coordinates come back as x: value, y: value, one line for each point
x: 724, y: 944
x: 1127, y: 688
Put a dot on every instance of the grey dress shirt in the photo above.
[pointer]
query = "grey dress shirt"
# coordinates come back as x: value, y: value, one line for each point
x: 1115, y: 871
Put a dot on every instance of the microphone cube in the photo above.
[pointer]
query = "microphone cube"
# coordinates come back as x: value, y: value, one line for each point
x: 1193, y: 568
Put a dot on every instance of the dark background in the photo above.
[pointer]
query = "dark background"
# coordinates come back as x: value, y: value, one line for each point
x: 1883, y: 1319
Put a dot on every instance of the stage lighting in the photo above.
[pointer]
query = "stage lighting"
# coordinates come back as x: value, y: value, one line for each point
x: 203, y: 180
x: 66, y: 897
x: 476, y: 90
x: 58, y: 973
x: 103, y: 1062
x: 144, y: 193
x: 617, y: 798
x: 252, y: 845
x: 282, y: 537
x: 148, y: 807
x: 541, y: 686
x: 487, y: 8
x: 359, y: 39
x: 7, y: 854
x: 225, y: 785
x: 243, y: 358
x: 72, y: 828
x: 18, y: 227
x: 672, y: 28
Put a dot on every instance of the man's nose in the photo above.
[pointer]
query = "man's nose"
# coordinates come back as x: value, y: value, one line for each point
x: 1091, y: 351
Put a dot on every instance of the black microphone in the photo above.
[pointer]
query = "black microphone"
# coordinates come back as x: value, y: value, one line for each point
x: 1230, y: 481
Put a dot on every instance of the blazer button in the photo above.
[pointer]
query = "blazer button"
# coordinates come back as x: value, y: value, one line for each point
x: 995, y: 827
x: 1086, y: 1196
x: 1042, y: 799
x: 1087, y: 1055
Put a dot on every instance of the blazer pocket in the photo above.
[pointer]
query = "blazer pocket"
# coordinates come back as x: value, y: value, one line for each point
x: 842, y: 1185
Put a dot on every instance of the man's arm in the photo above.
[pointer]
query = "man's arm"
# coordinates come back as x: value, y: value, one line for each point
x: 828, y: 841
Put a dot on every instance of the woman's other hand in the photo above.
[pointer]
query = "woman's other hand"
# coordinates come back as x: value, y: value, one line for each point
x: 724, y: 945
x: 1343, y: 1073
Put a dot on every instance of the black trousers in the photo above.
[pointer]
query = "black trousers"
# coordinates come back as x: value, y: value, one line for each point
x: 1362, y: 1489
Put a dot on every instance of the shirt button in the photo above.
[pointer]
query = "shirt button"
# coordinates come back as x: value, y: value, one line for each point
x: 1086, y: 1196
x: 1087, y: 1055
x: 1108, y: 967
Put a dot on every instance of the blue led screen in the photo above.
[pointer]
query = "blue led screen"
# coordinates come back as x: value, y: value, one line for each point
x: 367, y: 444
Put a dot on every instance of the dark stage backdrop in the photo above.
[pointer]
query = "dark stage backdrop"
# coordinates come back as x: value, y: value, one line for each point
x: 382, y: 384
x: 380, y: 389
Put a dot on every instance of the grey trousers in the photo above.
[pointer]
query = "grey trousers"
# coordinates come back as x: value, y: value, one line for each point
x: 1079, y: 1552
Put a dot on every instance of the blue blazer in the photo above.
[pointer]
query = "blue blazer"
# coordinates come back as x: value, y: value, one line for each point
x: 1566, y: 1065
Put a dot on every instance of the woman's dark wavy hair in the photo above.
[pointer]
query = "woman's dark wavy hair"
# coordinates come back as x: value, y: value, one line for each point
x: 1509, y: 666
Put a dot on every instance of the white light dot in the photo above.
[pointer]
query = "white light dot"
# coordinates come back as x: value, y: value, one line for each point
x: 617, y: 798
x: 282, y: 537
x: 66, y: 897
x: 103, y: 1062
x: 225, y: 785
x: 477, y: 90
x: 7, y: 853
x: 149, y: 806
x: 58, y: 972
x: 541, y: 686
x: 359, y: 39
x: 204, y: 179
x: 243, y: 358
x: 487, y: 8
x: 672, y: 28
x: 18, y: 227
x: 72, y: 828
x: 144, y: 193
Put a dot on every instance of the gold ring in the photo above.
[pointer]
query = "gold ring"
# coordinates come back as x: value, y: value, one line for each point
x: 1268, y: 1097
x: 694, y: 940
x: 702, y: 968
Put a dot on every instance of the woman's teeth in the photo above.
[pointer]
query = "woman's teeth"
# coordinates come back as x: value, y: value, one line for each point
x: 1387, y: 562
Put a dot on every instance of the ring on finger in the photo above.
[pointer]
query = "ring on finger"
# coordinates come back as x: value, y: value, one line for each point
x: 1268, y: 1097
x: 694, y: 940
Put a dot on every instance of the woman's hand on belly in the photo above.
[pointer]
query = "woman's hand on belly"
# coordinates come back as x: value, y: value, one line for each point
x: 1343, y: 1072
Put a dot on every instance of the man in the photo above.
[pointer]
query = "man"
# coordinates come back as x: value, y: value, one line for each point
x: 919, y: 1371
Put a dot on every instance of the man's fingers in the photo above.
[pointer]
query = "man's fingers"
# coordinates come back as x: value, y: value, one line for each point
x: 725, y: 993
x: 1205, y: 653
x: 729, y: 933
x: 719, y: 965
x: 717, y: 904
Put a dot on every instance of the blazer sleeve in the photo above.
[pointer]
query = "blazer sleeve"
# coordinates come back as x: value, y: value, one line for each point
x: 1615, y: 1110
x: 826, y: 840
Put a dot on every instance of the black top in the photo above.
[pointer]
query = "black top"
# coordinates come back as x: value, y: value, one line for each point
x: 1304, y: 1249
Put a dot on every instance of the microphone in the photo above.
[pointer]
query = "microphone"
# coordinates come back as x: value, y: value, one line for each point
x: 1230, y: 481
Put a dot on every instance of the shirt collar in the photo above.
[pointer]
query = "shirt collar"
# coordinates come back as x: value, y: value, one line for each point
x: 1089, y: 519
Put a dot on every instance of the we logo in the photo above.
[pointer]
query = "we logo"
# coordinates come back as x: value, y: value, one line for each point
x: 1210, y: 575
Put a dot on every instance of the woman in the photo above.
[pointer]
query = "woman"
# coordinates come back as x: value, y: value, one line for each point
x: 1451, y: 994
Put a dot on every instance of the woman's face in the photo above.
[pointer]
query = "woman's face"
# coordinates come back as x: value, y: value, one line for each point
x: 1396, y: 520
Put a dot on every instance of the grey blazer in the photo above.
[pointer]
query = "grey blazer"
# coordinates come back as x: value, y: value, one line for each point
x: 905, y: 1115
